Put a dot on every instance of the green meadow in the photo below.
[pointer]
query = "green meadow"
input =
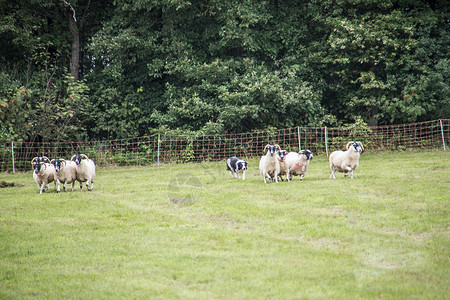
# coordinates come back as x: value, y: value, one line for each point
x: 191, y: 231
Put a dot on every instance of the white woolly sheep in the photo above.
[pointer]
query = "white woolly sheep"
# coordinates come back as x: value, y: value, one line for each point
x: 281, y: 155
x: 43, y: 174
x: 66, y: 172
x: 38, y: 160
x: 269, y: 166
x: 297, y: 163
x: 85, y: 170
x: 346, y: 161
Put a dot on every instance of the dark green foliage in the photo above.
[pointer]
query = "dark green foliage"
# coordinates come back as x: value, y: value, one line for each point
x: 217, y: 67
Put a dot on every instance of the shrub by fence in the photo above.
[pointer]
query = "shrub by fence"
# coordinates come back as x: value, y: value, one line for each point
x: 167, y: 148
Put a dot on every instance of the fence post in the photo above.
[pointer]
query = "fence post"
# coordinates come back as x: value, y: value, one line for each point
x: 159, y: 142
x: 12, y: 153
x: 442, y: 132
x: 326, y: 142
x: 299, y: 145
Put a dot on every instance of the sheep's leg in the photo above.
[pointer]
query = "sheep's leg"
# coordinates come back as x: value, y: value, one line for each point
x: 92, y: 185
x: 349, y: 171
x: 59, y: 186
x: 301, y: 177
x: 332, y: 173
x: 287, y: 175
x: 73, y: 183
x: 64, y: 187
x: 276, y: 177
x: 267, y: 176
x: 41, y: 188
x: 81, y: 185
x: 243, y: 175
x: 231, y: 173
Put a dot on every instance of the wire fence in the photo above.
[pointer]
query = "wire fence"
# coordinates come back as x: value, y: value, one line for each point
x: 167, y: 148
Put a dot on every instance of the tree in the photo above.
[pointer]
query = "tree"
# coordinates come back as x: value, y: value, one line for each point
x: 382, y: 58
x: 35, y: 56
x: 223, y: 66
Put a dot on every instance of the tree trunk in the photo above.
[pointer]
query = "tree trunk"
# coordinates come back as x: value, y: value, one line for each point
x: 75, y: 58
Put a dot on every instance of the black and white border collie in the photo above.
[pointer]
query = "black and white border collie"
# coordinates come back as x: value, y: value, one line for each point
x: 235, y: 166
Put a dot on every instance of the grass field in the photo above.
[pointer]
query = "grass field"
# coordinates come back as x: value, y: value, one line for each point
x: 191, y: 231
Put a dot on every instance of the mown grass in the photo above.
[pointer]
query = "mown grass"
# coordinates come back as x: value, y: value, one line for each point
x: 192, y: 231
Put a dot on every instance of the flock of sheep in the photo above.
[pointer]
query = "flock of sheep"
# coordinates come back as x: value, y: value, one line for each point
x: 275, y: 164
x: 79, y: 168
x: 272, y: 166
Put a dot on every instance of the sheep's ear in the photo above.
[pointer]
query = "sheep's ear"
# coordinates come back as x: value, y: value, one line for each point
x: 349, y: 144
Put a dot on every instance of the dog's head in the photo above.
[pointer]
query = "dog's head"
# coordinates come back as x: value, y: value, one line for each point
x: 241, y: 165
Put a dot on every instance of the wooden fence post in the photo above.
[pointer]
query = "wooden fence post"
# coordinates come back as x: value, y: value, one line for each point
x: 326, y: 142
x: 442, y: 132
x: 299, y: 145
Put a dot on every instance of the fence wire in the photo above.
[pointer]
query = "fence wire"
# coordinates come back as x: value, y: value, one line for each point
x: 166, y: 148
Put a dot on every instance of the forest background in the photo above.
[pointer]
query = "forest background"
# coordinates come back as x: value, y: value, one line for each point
x: 100, y: 69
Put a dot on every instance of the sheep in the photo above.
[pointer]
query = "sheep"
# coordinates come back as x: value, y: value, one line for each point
x: 346, y: 161
x: 235, y: 166
x: 297, y: 163
x: 43, y: 174
x: 85, y: 170
x: 66, y: 172
x: 39, y: 159
x: 281, y: 155
x: 269, y: 166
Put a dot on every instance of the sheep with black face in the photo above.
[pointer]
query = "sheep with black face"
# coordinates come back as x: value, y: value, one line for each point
x: 346, y: 161
x: 281, y: 155
x: 85, y: 170
x: 269, y: 166
x: 66, y: 172
x: 43, y: 172
x: 297, y: 163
